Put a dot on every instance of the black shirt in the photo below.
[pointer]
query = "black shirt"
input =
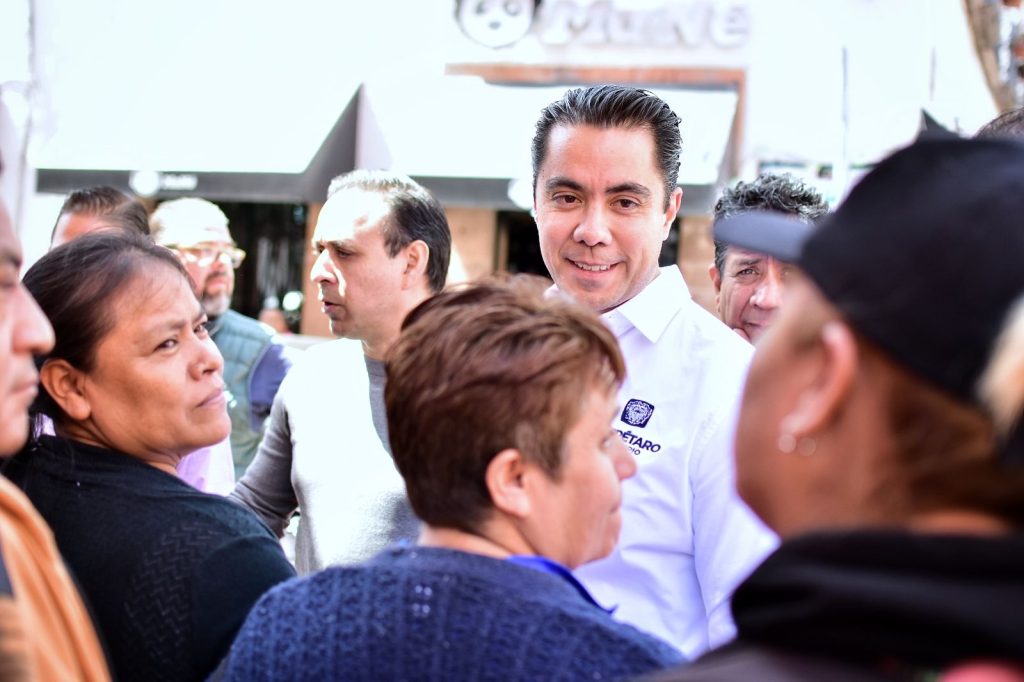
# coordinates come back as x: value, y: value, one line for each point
x: 169, y: 572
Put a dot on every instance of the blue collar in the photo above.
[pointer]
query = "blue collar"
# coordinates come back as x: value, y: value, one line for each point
x: 545, y: 565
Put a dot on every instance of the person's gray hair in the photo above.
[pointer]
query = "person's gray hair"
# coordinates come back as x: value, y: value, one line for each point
x: 780, y: 192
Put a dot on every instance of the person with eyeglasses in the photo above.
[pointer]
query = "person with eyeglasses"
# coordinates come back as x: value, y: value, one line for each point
x: 255, y: 362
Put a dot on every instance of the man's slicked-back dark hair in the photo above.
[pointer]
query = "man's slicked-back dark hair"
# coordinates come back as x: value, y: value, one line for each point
x: 414, y: 214
x: 615, y: 106
x: 780, y: 192
x: 122, y: 210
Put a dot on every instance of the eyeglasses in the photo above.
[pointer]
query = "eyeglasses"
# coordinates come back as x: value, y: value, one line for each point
x: 206, y: 255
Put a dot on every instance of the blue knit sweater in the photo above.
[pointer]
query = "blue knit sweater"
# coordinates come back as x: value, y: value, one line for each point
x: 435, y: 614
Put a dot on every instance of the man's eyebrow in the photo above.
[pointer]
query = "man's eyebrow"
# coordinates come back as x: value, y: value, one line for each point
x: 560, y: 182
x: 749, y: 260
x: 343, y: 244
x: 629, y: 188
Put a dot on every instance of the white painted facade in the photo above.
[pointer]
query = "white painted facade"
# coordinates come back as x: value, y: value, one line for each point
x: 255, y: 85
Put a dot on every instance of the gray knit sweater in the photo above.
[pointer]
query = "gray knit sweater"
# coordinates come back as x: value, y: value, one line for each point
x: 435, y: 614
x: 322, y: 454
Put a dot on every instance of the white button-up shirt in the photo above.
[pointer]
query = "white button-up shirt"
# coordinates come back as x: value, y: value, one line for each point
x: 687, y: 539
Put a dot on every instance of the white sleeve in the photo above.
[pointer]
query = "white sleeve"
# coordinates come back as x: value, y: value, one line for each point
x: 729, y: 541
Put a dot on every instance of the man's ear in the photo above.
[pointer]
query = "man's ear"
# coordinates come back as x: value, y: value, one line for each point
x: 65, y: 384
x: 675, y: 200
x: 821, y: 400
x: 417, y: 255
x: 505, y: 480
x: 716, y: 279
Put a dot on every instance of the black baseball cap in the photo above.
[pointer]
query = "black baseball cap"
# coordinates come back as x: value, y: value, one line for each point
x: 925, y: 257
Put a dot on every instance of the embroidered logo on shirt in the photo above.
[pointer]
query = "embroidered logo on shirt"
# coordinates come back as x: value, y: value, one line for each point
x: 637, y: 412
x: 635, y: 443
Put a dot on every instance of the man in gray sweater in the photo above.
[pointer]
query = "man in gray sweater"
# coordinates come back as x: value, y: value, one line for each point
x: 382, y: 246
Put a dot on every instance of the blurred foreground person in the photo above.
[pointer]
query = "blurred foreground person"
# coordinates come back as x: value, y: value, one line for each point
x: 132, y: 384
x: 880, y: 435
x: 45, y: 631
x: 98, y: 208
x: 748, y: 283
x: 500, y: 406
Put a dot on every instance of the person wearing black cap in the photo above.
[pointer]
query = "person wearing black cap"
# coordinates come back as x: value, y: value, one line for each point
x: 879, y: 432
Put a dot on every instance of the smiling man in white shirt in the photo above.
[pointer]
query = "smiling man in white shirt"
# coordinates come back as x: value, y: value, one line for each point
x: 605, y: 165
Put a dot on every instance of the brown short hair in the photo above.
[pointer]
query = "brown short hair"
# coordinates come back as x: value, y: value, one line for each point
x: 945, y: 451
x: 482, y: 368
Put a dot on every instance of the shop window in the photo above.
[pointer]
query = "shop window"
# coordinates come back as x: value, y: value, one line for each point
x: 271, y: 276
x: 670, y: 247
x: 517, y: 237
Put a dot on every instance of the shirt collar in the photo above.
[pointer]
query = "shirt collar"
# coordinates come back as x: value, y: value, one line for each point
x: 545, y: 565
x: 652, y: 309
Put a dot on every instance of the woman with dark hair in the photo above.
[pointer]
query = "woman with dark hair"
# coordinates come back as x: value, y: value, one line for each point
x: 880, y: 431
x: 134, y: 383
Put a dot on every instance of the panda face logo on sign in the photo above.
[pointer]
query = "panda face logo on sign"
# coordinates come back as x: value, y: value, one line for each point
x: 495, y: 23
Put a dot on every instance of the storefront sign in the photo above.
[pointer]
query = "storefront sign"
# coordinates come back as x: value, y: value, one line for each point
x: 497, y: 23
x: 691, y: 24
x: 148, y: 183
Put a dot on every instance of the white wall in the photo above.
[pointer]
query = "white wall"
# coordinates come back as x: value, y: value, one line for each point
x: 802, y: 104
x: 117, y: 75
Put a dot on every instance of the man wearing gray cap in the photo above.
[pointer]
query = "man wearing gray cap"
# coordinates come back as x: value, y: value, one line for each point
x: 255, y: 362
x: 748, y: 284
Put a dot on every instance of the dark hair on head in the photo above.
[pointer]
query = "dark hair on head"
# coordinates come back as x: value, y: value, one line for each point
x: 414, y: 214
x: 615, y: 106
x: 122, y: 210
x: 780, y: 192
x: 482, y: 368
x: 1009, y: 124
x: 76, y: 285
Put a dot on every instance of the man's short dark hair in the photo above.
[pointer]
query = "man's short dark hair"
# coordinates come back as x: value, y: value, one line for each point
x: 124, y: 211
x: 414, y: 214
x: 780, y: 192
x: 1009, y: 124
x: 615, y: 106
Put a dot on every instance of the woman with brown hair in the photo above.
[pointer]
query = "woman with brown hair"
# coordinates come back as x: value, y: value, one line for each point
x: 132, y: 384
x: 879, y: 433
x: 500, y: 405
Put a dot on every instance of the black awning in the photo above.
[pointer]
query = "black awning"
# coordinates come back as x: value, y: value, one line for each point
x: 335, y: 155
